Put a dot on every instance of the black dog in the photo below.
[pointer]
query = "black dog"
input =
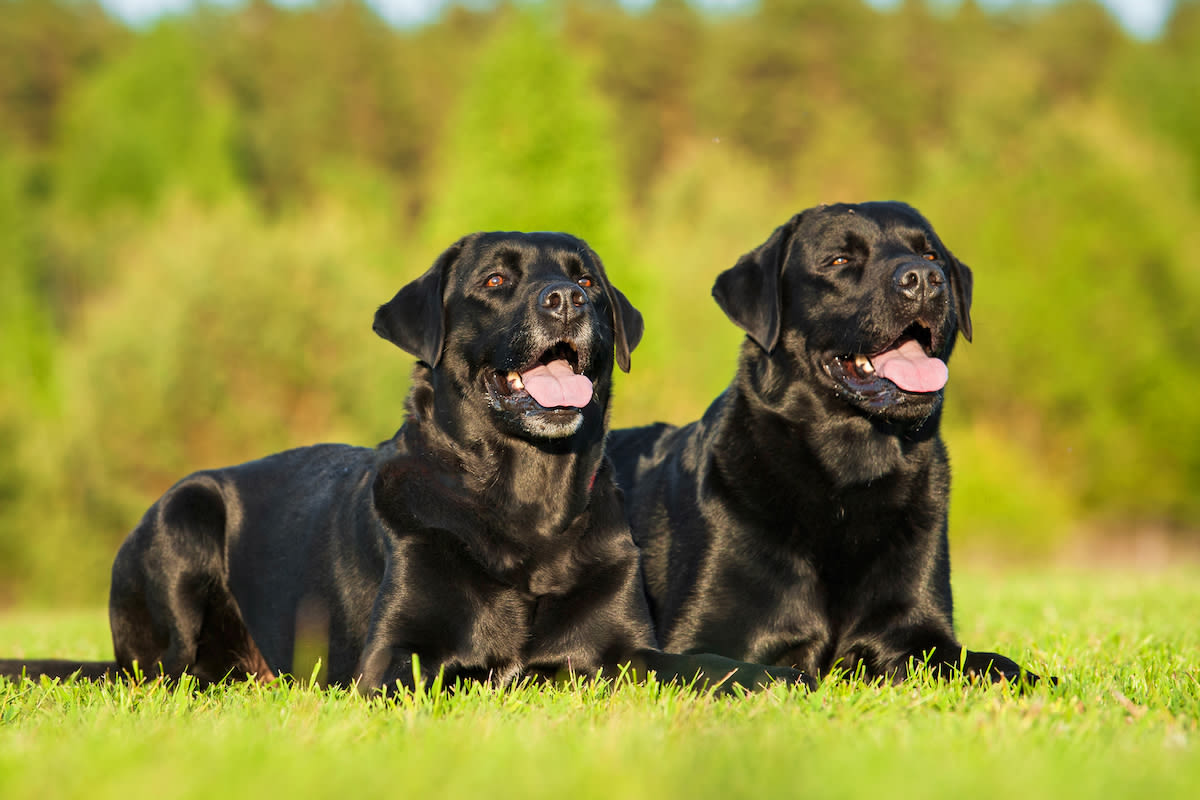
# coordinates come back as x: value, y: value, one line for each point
x: 802, y: 520
x: 486, y: 539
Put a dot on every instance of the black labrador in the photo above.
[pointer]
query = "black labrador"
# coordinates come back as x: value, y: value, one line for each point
x: 802, y: 520
x: 486, y: 539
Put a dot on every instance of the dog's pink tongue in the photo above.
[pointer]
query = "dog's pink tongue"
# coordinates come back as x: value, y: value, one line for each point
x: 556, y: 384
x: 908, y: 367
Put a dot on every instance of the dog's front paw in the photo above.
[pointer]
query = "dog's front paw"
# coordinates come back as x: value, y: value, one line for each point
x: 753, y: 677
x: 792, y: 677
x: 1000, y: 668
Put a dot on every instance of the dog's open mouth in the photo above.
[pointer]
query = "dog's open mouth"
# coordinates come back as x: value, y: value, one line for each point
x: 554, y: 380
x: 908, y: 363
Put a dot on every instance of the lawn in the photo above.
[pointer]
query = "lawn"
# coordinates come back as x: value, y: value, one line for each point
x: 1122, y: 722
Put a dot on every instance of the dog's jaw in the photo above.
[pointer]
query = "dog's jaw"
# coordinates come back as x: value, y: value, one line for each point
x: 900, y: 380
x: 562, y: 366
x: 518, y: 408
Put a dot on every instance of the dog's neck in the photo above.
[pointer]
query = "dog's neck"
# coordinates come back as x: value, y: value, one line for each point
x: 850, y: 447
x: 546, y: 482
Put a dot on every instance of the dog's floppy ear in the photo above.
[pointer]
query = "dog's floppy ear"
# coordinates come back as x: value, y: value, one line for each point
x: 412, y: 320
x: 627, y: 324
x: 749, y: 291
x: 626, y: 320
x: 962, y: 283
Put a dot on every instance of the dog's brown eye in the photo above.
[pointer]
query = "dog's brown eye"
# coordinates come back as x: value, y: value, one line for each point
x: 840, y: 261
x: 930, y: 256
x: 495, y: 280
x: 585, y: 281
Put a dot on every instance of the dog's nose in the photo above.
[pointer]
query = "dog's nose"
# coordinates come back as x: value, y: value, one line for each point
x: 562, y: 300
x: 919, y: 282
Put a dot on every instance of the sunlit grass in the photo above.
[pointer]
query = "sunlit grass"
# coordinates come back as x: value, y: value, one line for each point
x: 1121, y: 722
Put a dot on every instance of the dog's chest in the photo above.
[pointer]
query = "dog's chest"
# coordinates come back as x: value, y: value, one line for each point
x: 852, y: 453
x: 519, y: 632
x: 544, y: 566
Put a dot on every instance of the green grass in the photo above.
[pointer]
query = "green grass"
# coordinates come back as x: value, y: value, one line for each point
x: 1123, y: 721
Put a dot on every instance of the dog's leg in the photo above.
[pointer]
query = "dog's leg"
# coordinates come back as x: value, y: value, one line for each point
x: 621, y: 636
x: 950, y: 658
x: 387, y: 654
x: 997, y: 668
x: 707, y: 671
x: 60, y: 668
x: 154, y: 623
x: 170, y: 607
x: 383, y: 666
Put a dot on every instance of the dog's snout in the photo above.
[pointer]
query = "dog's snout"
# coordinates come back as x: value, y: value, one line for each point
x: 919, y: 282
x: 562, y: 300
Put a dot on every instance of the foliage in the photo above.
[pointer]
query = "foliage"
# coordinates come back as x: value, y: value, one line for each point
x: 129, y: 137
x: 198, y: 218
x: 528, y: 147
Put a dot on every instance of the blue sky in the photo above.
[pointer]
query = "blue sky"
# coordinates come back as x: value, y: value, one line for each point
x: 1142, y: 17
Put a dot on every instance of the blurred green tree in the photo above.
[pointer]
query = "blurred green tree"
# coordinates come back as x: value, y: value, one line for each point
x: 144, y: 124
x: 48, y: 46
x: 645, y: 66
x: 29, y: 350
x: 197, y: 217
x: 324, y: 82
x: 529, y: 146
x: 1161, y: 83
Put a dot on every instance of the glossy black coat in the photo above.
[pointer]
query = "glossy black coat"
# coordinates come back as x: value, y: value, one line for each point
x: 486, y: 540
x: 802, y: 520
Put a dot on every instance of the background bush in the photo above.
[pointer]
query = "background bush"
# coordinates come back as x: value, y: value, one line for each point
x: 198, y: 218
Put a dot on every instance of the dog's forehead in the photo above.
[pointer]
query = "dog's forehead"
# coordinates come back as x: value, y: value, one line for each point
x: 833, y: 224
x: 531, y: 253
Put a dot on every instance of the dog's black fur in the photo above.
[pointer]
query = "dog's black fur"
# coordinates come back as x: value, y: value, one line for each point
x: 486, y: 539
x: 802, y: 520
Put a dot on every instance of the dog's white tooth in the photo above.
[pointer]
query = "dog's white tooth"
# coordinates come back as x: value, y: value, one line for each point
x: 514, y: 378
x: 864, y: 365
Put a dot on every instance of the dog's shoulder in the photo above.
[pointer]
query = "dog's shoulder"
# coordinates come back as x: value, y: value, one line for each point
x: 644, y: 454
x: 298, y: 472
x: 627, y: 446
x: 413, y: 477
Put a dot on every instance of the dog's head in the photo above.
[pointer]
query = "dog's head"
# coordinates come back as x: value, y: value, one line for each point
x: 522, y: 326
x: 866, y: 296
